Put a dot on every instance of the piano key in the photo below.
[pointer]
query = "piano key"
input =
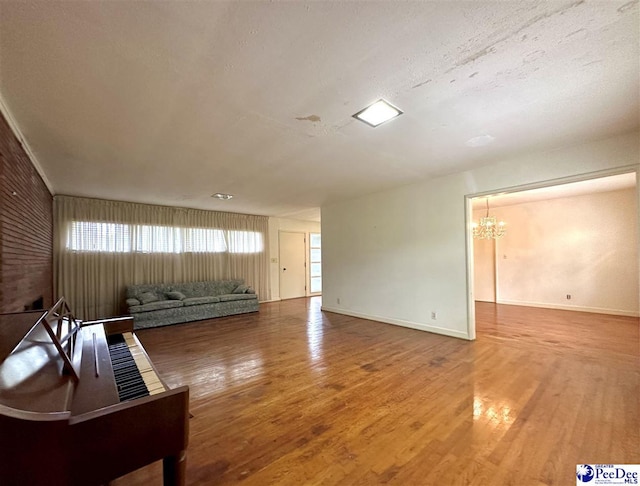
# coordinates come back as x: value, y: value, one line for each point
x: 133, y: 372
x: 144, y: 366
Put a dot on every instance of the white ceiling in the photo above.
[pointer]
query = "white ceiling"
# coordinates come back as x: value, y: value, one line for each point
x: 170, y: 102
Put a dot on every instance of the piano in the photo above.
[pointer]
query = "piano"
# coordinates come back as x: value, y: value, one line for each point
x: 81, y: 402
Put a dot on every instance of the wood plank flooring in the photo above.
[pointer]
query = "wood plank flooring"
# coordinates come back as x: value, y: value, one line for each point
x: 295, y: 396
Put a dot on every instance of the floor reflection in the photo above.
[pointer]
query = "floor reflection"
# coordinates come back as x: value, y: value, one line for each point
x: 315, y: 331
x: 226, y: 375
x: 496, y: 414
x: 315, y: 340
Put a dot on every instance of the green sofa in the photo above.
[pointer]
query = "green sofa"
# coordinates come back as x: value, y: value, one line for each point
x: 155, y: 305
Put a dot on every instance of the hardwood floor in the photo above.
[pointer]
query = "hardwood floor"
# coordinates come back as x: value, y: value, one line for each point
x: 295, y: 396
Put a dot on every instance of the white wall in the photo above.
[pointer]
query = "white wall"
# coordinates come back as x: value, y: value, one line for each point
x: 275, y: 226
x: 398, y: 255
x: 585, y: 246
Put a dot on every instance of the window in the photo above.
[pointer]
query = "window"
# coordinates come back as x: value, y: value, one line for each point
x: 94, y: 237
x: 204, y: 240
x: 243, y: 241
x: 87, y: 236
x: 315, y: 257
x: 157, y: 239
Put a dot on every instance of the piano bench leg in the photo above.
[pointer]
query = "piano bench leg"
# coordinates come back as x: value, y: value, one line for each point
x: 174, y: 469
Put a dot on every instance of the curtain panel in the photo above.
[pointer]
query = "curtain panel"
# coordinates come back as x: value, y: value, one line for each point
x: 101, y: 247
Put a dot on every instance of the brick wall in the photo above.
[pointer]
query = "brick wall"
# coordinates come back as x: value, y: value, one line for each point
x: 26, y: 228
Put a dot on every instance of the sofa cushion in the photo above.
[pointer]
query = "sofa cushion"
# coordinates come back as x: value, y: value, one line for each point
x: 221, y: 287
x: 208, y: 299
x: 161, y: 304
x: 131, y: 302
x: 230, y: 297
x: 240, y: 289
x: 134, y: 291
x: 190, y: 289
x: 203, y: 289
x: 175, y: 295
x: 147, y: 298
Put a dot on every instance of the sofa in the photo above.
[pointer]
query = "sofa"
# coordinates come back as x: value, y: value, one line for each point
x: 155, y: 305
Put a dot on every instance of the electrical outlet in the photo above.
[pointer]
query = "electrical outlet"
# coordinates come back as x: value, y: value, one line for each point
x: 338, y: 300
x: 568, y: 296
x: 434, y: 315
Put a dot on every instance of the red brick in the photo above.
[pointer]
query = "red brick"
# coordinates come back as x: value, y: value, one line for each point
x: 26, y: 228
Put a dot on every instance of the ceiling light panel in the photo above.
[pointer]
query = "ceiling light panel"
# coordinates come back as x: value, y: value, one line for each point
x: 378, y: 113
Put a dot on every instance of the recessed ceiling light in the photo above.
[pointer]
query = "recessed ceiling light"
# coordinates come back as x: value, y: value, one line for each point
x: 378, y: 113
x: 224, y: 197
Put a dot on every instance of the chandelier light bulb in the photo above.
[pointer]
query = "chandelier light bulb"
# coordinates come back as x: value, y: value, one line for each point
x: 488, y: 228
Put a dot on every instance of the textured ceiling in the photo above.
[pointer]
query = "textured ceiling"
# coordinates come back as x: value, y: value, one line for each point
x: 170, y: 102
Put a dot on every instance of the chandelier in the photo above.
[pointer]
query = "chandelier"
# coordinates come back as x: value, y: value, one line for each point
x: 488, y: 227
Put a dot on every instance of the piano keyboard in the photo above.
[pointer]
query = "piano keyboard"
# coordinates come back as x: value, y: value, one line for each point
x: 133, y: 373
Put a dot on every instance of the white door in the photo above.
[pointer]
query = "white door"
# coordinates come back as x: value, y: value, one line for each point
x: 292, y: 265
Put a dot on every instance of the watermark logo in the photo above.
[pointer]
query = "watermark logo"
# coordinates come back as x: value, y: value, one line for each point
x: 607, y: 474
x: 584, y: 473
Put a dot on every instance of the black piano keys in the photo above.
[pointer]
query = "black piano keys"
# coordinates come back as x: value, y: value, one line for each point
x: 128, y: 378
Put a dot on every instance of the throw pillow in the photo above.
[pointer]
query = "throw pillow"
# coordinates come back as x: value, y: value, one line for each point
x: 131, y: 302
x: 148, y: 297
x: 175, y: 295
x: 240, y: 289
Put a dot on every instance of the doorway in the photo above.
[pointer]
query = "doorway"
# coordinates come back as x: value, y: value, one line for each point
x: 292, y: 264
x: 552, y: 254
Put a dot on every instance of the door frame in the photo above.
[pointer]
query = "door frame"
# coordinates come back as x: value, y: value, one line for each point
x: 468, y: 210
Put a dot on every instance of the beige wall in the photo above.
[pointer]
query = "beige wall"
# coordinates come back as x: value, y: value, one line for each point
x: 399, y: 255
x: 484, y: 282
x: 275, y: 226
x: 585, y: 246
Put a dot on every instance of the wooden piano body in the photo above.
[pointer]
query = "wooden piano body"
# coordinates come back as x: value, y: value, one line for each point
x: 61, y: 419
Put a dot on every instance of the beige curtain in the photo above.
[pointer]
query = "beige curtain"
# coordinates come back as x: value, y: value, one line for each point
x: 102, y: 246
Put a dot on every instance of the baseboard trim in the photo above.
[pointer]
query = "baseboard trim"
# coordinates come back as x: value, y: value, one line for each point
x: 399, y: 322
x: 575, y: 308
